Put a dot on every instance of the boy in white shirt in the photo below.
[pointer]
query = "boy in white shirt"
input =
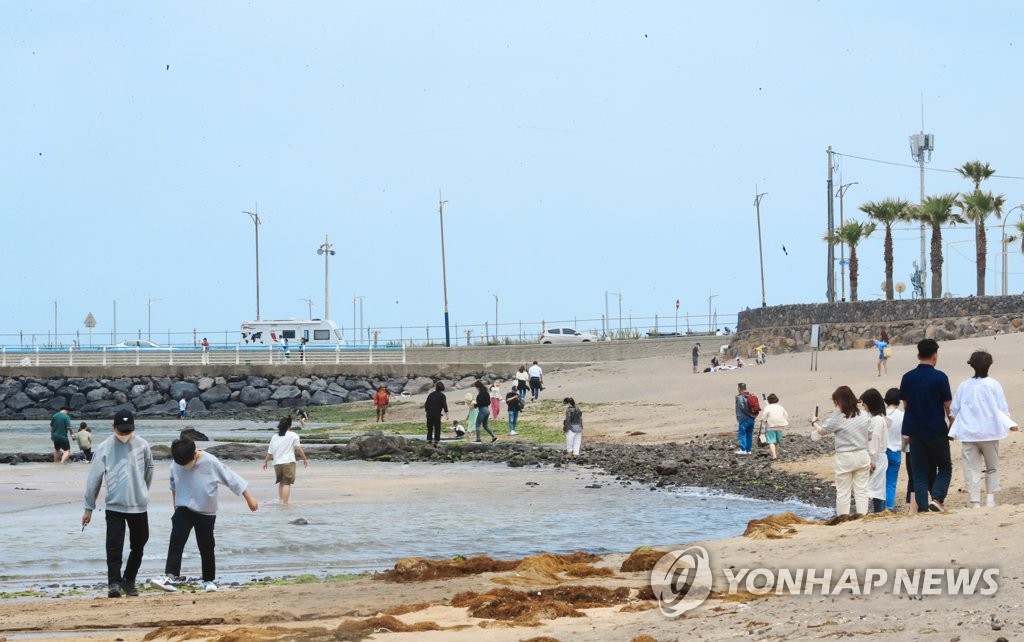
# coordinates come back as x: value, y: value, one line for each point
x: 195, y: 476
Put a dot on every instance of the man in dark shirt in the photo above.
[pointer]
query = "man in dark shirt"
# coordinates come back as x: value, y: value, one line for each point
x: 926, y: 398
x: 435, y: 405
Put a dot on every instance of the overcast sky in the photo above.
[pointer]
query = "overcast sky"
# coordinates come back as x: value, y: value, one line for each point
x: 582, y: 148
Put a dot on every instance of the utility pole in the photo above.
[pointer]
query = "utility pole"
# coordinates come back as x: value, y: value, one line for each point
x: 495, y: 295
x: 921, y: 147
x: 327, y: 250
x: 830, y: 289
x: 842, y: 246
x: 256, y: 223
x: 760, y: 250
x: 444, y: 273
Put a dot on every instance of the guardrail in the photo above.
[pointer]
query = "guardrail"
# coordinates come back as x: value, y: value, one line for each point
x: 215, y: 355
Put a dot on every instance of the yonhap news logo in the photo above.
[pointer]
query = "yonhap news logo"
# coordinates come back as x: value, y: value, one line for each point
x: 681, y: 580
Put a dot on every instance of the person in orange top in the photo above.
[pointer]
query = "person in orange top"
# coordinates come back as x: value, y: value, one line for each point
x: 381, y: 401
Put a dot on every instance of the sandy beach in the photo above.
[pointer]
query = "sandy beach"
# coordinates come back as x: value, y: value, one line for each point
x: 584, y: 599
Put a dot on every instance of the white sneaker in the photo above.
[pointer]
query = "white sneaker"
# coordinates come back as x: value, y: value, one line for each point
x: 164, y: 583
x: 513, y: 433
x: 990, y: 501
x: 209, y: 587
x: 740, y: 452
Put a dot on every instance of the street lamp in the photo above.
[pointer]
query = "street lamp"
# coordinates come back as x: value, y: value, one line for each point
x: 842, y: 246
x: 710, y: 298
x: 309, y: 302
x: 357, y: 332
x: 495, y: 316
x: 327, y: 249
x: 149, y: 317
x: 256, y: 223
x: 444, y: 273
x: 1006, y: 241
x: 760, y: 253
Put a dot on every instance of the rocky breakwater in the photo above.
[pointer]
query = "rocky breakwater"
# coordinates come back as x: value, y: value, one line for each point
x: 231, y: 396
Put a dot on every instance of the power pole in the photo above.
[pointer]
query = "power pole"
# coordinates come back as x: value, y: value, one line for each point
x: 842, y: 246
x: 444, y: 273
x: 830, y: 290
x: 760, y: 251
x: 921, y: 146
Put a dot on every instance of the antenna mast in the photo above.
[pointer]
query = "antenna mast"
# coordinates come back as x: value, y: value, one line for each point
x: 921, y: 147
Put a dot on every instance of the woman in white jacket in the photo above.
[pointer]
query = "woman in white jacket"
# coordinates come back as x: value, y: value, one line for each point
x: 878, y: 437
x: 980, y: 419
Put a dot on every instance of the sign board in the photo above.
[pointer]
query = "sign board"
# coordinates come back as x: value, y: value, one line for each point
x: 814, y: 336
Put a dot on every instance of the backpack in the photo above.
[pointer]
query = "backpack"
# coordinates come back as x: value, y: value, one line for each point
x: 753, y: 404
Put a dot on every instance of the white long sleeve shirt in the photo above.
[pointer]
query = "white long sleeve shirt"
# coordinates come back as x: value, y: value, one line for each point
x: 979, y: 407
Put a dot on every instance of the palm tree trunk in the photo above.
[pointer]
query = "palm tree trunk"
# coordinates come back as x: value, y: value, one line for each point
x: 981, y: 250
x: 853, y: 273
x: 936, y: 262
x: 888, y: 263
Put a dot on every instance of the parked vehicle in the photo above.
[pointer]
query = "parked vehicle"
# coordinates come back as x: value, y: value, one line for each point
x: 565, y: 335
x: 314, y: 331
x: 137, y: 344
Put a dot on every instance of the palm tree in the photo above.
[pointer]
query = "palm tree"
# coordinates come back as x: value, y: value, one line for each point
x: 976, y: 171
x: 938, y: 211
x: 976, y: 208
x: 851, y: 233
x: 887, y: 212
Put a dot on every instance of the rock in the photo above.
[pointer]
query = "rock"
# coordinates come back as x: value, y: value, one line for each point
x: 418, y: 385
x: 204, y: 384
x: 325, y: 399
x: 121, y: 385
x: 375, y: 444
x: 37, y: 391
x: 285, y: 392
x: 183, y: 388
x: 147, y: 399
x: 193, y: 434
x: 19, y: 401
x: 215, y: 394
x: 299, y: 522
x: 667, y: 467
x: 253, y: 396
x: 98, y: 394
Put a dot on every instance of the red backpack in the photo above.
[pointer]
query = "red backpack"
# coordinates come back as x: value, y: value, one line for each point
x: 753, y: 404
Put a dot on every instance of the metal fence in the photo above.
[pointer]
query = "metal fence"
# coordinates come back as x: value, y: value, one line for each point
x: 187, y: 355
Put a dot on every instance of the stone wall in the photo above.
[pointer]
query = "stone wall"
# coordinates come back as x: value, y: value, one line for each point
x: 154, y: 396
x: 853, y: 325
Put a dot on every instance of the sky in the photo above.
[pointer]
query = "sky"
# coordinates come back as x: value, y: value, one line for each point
x: 589, y: 153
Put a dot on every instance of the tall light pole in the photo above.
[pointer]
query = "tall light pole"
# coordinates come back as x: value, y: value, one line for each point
x: 444, y: 273
x: 256, y: 223
x: 495, y: 295
x: 1006, y: 241
x: 357, y: 331
x: 921, y: 147
x: 149, y: 317
x: 830, y: 285
x: 309, y: 303
x: 842, y: 246
x: 710, y: 298
x: 55, y: 322
x: 760, y: 251
x: 327, y: 249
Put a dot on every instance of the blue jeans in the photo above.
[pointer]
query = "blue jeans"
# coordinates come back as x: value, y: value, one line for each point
x: 746, y: 434
x: 892, y: 474
x: 513, y: 419
x: 927, y: 456
x: 481, y: 420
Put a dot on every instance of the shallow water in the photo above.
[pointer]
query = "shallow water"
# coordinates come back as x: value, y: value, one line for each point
x: 365, y: 515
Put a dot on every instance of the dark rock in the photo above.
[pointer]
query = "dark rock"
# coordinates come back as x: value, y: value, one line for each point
x: 374, y: 444
x: 19, y: 401
x: 216, y: 394
x: 321, y: 398
x: 253, y: 396
x: 667, y: 467
x: 76, y: 401
x: 193, y: 434
x: 285, y: 392
x: 299, y: 522
x: 186, y: 388
x: 37, y: 391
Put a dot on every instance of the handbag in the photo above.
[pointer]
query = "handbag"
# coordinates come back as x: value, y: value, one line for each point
x: 886, y: 352
x: 762, y: 438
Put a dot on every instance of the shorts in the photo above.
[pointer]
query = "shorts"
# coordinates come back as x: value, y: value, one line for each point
x: 61, y: 444
x: 773, y: 436
x: 284, y: 473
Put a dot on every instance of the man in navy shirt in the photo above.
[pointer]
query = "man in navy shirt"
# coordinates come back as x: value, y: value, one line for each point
x: 926, y: 398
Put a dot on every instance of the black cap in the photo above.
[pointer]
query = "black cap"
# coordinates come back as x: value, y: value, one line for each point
x: 124, y: 421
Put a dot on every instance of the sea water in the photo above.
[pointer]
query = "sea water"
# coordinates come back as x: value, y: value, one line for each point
x: 354, y: 516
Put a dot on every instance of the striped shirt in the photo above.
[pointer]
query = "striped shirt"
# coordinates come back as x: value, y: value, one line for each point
x: 851, y: 432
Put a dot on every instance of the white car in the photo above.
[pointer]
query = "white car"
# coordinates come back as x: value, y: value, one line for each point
x: 137, y: 344
x: 566, y: 335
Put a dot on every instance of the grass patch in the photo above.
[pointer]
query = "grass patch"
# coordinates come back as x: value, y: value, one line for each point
x: 305, y: 579
x: 10, y: 595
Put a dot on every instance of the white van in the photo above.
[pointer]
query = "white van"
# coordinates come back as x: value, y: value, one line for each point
x: 314, y: 331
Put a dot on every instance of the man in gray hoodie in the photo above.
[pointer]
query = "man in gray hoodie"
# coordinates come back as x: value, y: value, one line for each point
x: 126, y: 462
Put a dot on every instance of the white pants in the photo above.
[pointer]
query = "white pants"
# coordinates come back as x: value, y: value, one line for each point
x: 973, y: 453
x: 572, y: 442
x: 852, y: 471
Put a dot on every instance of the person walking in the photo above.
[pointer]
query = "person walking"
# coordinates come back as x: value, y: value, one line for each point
x: 182, y: 407
x: 195, y: 476
x: 894, y: 446
x: 878, y: 438
x: 981, y: 418
x: 495, y: 398
x: 470, y: 401
x: 435, y: 406
x: 282, y: 450
x: 852, y: 462
x: 882, y: 343
x: 536, y: 380
x: 926, y: 401
x: 205, y: 351
x: 303, y: 417
x: 572, y: 426
x: 125, y: 461
x: 60, y: 429
x: 483, y: 410
x: 776, y: 419
x: 514, y: 407
x: 695, y: 356
x: 84, y: 440
x: 746, y: 413
x: 381, y: 399
x: 522, y: 382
